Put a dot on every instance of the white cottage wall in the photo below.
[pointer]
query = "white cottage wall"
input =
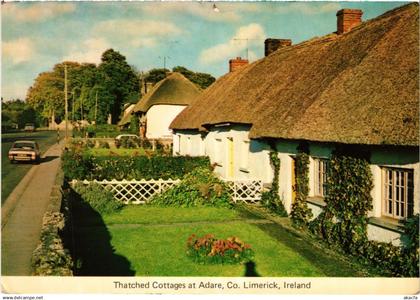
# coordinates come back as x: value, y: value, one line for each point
x: 159, y: 117
x: 188, y: 142
x: 236, y: 156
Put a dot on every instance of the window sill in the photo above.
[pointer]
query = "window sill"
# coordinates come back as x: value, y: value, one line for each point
x: 244, y: 170
x: 387, y: 223
x: 318, y: 201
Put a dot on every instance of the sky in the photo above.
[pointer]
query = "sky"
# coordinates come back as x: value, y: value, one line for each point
x: 37, y: 35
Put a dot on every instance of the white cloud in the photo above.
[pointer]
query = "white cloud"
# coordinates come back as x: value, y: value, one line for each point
x: 227, y: 12
x: 88, y: 51
x: 307, y: 9
x: 14, y: 90
x: 136, y: 33
x: 19, y: 50
x: 137, y: 27
x: 36, y: 12
x: 245, y: 37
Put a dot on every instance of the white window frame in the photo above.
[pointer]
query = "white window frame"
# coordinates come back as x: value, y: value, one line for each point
x: 320, y: 172
x: 397, y: 192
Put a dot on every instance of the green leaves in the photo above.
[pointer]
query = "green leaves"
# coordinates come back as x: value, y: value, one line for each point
x: 200, y: 187
x: 301, y: 214
x: 271, y: 199
x: 78, y: 164
x: 344, y: 220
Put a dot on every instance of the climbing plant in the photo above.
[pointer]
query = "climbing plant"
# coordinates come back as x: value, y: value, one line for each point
x: 271, y: 198
x: 344, y: 221
x: 301, y: 214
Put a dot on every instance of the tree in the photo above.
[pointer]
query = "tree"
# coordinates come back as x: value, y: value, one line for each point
x: 156, y: 75
x: 203, y: 80
x: 119, y: 80
x: 17, y: 112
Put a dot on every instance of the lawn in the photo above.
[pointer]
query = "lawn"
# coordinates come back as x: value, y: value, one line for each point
x: 12, y: 174
x: 151, y: 241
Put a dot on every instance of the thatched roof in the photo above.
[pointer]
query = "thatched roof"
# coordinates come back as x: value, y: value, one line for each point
x: 127, y: 115
x: 174, y: 89
x: 361, y: 87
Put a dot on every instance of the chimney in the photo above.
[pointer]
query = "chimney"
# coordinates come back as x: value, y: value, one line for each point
x: 237, y: 63
x: 271, y: 45
x: 347, y: 19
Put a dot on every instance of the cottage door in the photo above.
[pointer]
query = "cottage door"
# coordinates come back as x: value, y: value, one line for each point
x: 230, y: 166
x: 293, y: 179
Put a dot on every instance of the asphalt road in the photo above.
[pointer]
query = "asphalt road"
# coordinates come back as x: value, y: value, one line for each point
x: 22, y: 214
x: 12, y: 174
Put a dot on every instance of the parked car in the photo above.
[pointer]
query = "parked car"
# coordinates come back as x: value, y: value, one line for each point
x: 119, y: 139
x: 30, y: 127
x: 24, y: 151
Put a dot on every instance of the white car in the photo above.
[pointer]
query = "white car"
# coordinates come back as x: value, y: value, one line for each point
x: 24, y: 151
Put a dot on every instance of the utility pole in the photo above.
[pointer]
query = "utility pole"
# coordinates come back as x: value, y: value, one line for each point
x: 66, y: 102
x: 72, y: 105
x: 96, y: 108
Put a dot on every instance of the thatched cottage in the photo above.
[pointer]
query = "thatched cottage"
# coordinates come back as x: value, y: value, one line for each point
x: 356, y: 88
x: 159, y: 107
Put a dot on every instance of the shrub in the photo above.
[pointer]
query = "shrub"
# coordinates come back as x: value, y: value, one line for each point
x: 200, y: 187
x: 50, y: 258
x: 98, y: 198
x: 209, y: 250
x: 104, y: 145
x: 78, y: 164
x: 90, y: 144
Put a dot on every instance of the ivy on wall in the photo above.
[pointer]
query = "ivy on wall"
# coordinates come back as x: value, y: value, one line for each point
x: 345, y: 218
x: 301, y: 213
x: 271, y: 199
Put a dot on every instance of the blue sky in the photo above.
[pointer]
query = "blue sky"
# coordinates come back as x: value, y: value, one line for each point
x: 35, y: 36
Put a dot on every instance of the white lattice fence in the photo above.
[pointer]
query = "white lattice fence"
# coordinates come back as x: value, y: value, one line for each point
x: 141, y: 191
x: 248, y: 191
x: 133, y: 191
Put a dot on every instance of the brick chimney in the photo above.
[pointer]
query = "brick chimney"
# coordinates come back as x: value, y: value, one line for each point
x: 237, y: 63
x: 271, y: 45
x: 347, y: 19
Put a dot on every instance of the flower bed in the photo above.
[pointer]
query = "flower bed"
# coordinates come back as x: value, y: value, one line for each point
x: 209, y: 250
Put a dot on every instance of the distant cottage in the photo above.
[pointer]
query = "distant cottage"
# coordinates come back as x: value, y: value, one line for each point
x: 158, y: 108
x: 355, y: 89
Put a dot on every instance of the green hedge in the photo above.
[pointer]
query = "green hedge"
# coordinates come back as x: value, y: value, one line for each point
x: 80, y: 165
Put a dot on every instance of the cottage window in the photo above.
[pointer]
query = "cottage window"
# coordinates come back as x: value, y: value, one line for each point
x: 245, y: 155
x: 320, y: 177
x: 398, y: 192
x: 218, y: 151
